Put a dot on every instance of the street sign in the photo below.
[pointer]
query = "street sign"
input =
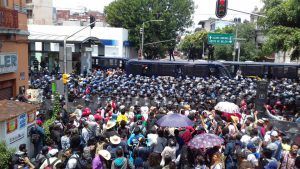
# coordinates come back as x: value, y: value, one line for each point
x: 219, y: 38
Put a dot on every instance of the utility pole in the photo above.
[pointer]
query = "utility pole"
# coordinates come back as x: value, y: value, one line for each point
x: 65, y: 58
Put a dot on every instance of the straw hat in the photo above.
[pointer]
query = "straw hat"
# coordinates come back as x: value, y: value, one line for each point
x: 110, y: 124
x: 115, y: 139
x: 105, y: 154
x: 235, y: 119
x: 72, y: 115
x: 187, y: 107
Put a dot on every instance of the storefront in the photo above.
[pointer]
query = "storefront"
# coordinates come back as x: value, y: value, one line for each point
x: 16, y: 120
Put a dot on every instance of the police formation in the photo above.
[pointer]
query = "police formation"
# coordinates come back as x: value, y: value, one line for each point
x: 116, y: 123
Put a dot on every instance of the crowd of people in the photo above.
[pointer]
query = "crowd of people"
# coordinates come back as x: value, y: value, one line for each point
x: 123, y: 132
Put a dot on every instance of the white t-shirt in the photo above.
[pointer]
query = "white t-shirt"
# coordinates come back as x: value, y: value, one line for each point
x: 245, y: 139
x: 252, y: 159
x: 85, y: 134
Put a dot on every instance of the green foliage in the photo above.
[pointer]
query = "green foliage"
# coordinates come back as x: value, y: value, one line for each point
x: 5, y: 156
x: 56, y: 111
x: 131, y: 14
x: 194, y: 41
x: 282, y: 26
x: 248, y: 47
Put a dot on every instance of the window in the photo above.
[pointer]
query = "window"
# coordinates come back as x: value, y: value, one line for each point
x: 4, y: 3
x: 29, y: 13
x: 28, y: 1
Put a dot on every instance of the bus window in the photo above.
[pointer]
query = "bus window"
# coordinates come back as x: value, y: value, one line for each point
x: 222, y: 72
x: 189, y: 70
x: 277, y: 71
x: 254, y: 70
x: 166, y: 70
x: 290, y: 72
x: 298, y: 72
x: 201, y: 70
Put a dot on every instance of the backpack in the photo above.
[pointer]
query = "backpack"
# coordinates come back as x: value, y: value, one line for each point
x: 35, y: 136
x: 82, y: 163
x: 50, y: 166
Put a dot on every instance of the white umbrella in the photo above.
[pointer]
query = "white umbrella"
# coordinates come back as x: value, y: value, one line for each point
x: 227, y: 107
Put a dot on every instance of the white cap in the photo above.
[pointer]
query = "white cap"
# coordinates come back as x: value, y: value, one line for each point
x: 274, y: 133
x: 53, y: 152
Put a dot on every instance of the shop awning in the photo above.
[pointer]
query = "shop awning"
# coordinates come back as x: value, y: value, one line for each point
x: 10, y: 109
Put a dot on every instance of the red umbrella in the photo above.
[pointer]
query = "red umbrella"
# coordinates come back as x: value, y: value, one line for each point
x: 205, y: 140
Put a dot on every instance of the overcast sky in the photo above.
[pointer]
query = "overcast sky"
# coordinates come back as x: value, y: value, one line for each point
x: 204, y: 8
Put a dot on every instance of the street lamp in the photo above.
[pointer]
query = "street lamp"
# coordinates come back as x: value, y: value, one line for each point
x: 142, y: 46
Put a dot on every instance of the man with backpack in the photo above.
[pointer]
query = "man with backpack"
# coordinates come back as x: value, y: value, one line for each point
x: 41, y: 157
x: 51, y: 162
x: 37, y: 135
x: 121, y: 162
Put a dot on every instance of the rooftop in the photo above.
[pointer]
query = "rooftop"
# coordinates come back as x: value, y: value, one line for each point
x: 10, y: 109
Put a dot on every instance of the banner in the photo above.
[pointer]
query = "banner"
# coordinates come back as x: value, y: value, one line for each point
x: 22, y: 120
x: 31, y: 116
x: 34, y: 95
x: 12, y: 125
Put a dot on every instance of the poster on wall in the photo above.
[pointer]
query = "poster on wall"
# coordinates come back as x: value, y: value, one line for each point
x: 11, y: 125
x: 34, y: 95
x: 22, y: 120
x: 31, y: 117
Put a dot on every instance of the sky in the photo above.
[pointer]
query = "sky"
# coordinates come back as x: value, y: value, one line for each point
x: 204, y: 8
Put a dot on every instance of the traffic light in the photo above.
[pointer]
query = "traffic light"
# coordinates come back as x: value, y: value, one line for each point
x: 65, y: 78
x: 92, y: 21
x: 221, y: 8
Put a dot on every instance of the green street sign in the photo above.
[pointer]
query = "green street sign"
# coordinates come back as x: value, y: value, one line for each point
x: 219, y: 38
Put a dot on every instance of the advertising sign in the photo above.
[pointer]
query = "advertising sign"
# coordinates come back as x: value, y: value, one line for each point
x: 16, y: 138
x: 11, y: 125
x: 31, y: 117
x: 8, y: 62
x: 34, y: 95
x: 22, y: 120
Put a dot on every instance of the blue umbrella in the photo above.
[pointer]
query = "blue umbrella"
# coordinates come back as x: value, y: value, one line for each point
x: 174, y: 120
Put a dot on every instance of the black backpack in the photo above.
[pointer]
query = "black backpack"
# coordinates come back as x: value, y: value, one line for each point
x: 35, y: 136
x: 82, y: 163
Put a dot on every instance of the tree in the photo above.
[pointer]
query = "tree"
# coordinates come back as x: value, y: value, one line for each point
x: 55, y: 113
x: 194, y: 41
x: 5, y: 156
x: 130, y: 14
x: 248, y: 51
x: 282, y: 25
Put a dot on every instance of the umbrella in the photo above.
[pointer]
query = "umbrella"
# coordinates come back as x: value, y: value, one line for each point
x: 227, y: 107
x: 174, y: 120
x: 205, y: 140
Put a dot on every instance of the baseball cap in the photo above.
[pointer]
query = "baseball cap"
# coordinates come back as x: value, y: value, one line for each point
x: 250, y: 146
x: 53, y: 152
x: 274, y: 133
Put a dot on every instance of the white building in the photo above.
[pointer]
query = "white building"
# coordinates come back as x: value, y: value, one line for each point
x: 40, y: 12
x: 113, y: 39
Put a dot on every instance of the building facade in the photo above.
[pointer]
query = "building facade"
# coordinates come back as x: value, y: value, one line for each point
x: 46, y: 47
x: 13, y: 48
x: 40, y: 12
x: 68, y: 18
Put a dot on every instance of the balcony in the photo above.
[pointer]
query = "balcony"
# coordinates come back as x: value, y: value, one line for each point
x: 8, y: 18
